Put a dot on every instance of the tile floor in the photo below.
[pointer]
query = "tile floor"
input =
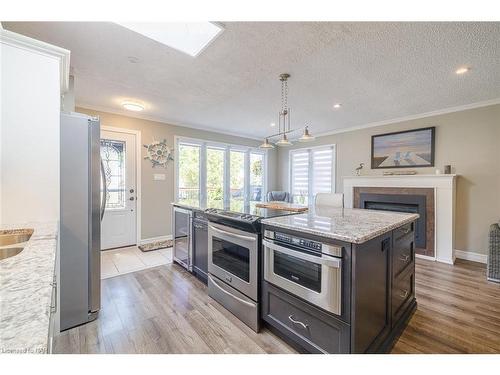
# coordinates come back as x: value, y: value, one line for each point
x: 130, y: 259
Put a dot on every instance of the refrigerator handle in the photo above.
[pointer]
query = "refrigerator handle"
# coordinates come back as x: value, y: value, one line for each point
x: 104, y: 190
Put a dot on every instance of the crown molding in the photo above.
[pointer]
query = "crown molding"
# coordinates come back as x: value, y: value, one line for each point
x: 23, y: 42
x: 163, y: 121
x: 444, y: 111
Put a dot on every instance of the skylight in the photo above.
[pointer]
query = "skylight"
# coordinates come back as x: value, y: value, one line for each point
x: 187, y: 37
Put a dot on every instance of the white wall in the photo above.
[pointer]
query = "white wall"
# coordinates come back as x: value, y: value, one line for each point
x: 29, y: 130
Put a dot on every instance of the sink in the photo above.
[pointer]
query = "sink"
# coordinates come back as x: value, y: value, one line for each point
x: 9, y: 252
x: 10, y: 239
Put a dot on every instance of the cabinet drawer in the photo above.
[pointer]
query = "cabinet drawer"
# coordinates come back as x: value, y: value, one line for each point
x: 403, y: 255
x: 402, y: 232
x: 306, y: 325
x: 403, y: 291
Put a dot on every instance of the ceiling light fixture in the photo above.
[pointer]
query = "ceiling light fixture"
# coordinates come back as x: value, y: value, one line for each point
x: 273, y: 124
x: 187, y: 37
x: 462, y: 70
x: 133, y: 106
x: 337, y: 105
x: 266, y: 144
x: 306, y: 137
x: 284, y: 123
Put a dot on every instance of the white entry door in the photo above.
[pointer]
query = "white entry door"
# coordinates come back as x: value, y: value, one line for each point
x: 118, y: 226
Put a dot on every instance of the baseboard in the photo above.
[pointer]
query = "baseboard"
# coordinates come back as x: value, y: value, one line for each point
x: 469, y: 255
x: 155, y: 239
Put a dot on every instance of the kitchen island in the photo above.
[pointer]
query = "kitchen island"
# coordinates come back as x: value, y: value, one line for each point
x: 339, y: 280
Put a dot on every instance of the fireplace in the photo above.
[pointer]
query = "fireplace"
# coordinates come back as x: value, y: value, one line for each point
x: 415, y: 204
x: 410, y: 200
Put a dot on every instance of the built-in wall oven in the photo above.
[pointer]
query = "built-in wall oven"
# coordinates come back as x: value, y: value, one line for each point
x: 233, y: 271
x: 308, y: 269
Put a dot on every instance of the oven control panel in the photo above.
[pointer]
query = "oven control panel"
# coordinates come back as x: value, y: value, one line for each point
x: 302, y: 242
x: 305, y: 243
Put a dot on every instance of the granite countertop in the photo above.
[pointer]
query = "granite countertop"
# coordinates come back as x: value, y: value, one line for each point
x: 26, y: 290
x: 349, y: 224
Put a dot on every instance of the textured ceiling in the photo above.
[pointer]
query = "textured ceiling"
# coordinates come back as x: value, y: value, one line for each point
x: 378, y: 71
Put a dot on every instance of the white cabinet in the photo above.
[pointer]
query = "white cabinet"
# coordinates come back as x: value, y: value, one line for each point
x: 33, y: 75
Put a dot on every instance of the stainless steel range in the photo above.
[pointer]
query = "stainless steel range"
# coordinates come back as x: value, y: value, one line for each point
x: 234, y: 242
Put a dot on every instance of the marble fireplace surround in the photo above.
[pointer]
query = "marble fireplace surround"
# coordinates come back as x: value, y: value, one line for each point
x: 443, y: 191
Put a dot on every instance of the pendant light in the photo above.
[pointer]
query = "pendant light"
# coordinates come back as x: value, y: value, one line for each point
x: 284, y: 122
x: 306, y: 137
x: 266, y: 144
x: 284, y: 142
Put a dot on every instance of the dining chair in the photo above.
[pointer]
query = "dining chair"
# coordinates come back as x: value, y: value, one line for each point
x: 335, y: 200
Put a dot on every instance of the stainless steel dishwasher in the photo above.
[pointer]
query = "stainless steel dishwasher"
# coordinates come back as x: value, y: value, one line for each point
x: 200, y: 246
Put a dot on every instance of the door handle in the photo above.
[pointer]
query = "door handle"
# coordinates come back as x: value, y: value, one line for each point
x: 104, y: 191
x: 303, y: 325
x: 404, y: 258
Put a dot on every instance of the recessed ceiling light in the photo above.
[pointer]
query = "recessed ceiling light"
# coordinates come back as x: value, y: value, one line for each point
x: 187, y: 37
x: 133, y: 106
x: 462, y: 70
x: 337, y: 105
x: 273, y: 124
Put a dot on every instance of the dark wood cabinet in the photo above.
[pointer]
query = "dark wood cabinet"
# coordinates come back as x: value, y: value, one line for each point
x: 378, y: 288
x: 303, y: 324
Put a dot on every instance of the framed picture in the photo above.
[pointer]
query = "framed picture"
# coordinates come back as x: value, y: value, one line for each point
x: 406, y: 149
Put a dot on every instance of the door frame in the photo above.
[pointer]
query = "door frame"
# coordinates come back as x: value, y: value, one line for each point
x: 138, y: 182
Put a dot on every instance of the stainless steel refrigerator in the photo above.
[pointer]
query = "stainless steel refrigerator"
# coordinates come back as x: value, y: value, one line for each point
x: 81, y: 212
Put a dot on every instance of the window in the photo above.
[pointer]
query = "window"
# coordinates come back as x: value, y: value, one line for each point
x: 189, y: 174
x: 256, y: 177
x: 312, y: 171
x: 113, y: 158
x: 219, y: 175
x: 237, y: 180
x: 215, y: 177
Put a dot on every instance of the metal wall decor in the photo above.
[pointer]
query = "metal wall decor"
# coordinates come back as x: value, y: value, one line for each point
x: 159, y: 153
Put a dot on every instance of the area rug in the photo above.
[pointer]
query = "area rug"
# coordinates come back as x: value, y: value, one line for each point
x: 157, y: 245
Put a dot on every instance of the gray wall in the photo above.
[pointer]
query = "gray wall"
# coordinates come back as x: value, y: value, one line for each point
x: 468, y: 140
x: 157, y: 195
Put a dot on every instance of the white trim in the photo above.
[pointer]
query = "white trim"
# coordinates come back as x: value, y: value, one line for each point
x: 426, y: 257
x: 155, y: 239
x: 469, y: 255
x: 417, y: 116
x: 63, y: 55
x: 396, y: 120
x: 444, y: 200
x: 163, y: 120
x: 138, y: 174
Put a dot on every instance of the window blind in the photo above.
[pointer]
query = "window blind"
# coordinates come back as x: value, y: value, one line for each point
x: 311, y: 172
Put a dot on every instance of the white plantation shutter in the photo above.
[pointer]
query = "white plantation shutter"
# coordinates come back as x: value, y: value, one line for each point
x: 322, y: 168
x: 299, y: 174
x: 312, y: 171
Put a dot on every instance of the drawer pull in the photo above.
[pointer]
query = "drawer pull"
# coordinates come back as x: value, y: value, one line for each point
x: 404, y: 258
x: 405, y: 294
x: 305, y: 326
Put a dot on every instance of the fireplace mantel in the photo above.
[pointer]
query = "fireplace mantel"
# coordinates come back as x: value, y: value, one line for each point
x: 444, y: 186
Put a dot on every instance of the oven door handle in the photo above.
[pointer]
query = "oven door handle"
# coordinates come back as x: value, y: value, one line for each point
x: 333, y: 262
x: 231, y: 234
x: 216, y: 283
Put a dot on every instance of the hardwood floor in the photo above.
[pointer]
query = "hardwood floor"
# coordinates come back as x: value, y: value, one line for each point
x: 458, y: 311
x: 164, y: 310
x: 167, y: 310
